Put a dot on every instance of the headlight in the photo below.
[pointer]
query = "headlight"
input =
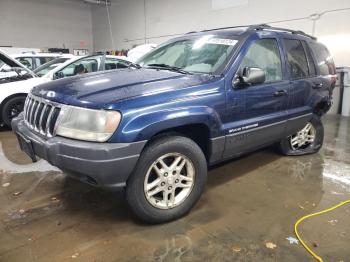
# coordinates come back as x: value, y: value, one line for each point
x: 87, y: 124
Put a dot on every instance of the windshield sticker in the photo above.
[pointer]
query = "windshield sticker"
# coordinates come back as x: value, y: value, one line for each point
x: 221, y: 41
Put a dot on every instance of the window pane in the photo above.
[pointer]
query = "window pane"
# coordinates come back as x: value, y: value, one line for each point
x: 324, y: 60
x: 42, y: 60
x: 47, y: 67
x: 296, y: 57
x: 26, y: 61
x: 79, y: 67
x: 112, y: 63
x: 265, y: 55
x: 311, y: 62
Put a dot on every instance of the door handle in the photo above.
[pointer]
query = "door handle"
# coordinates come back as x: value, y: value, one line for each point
x: 280, y: 93
x: 317, y: 85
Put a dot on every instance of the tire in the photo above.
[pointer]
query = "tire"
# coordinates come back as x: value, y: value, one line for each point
x: 12, y: 108
x: 153, y: 209
x: 285, y: 146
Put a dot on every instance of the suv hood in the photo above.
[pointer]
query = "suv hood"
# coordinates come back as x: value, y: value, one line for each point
x: 97, y: 90
x: 7, y: 76
x: 9, y: 61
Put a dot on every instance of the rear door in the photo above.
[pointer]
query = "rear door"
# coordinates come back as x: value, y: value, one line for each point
x: 262, y: 107
x: 302, y: 75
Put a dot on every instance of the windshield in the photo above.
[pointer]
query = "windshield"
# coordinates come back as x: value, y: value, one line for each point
x: 45, y: 68
x: 207, y: 54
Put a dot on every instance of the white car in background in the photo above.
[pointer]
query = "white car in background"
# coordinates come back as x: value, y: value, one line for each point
x: 33, y: 60
x: 17, y: 83
x: 49, y: 66
x: 139, y: 51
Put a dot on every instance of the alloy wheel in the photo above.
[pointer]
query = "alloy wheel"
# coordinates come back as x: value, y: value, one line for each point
x: 303, y: 138
x: 169, y: 181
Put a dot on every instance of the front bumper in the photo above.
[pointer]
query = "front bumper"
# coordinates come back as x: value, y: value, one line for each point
x: 106, y: 165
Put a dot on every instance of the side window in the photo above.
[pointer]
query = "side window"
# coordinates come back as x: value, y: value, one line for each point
x: 265, y: 55
x: 42, y: 60
x: 296, y: 57
x: 26, y: 61
x: 324, y: 59
x: 82, y: 66
x: 112, y: 63
x: 310, y: 60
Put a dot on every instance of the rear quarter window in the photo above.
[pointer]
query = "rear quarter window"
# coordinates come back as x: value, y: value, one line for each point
x: 324, y: 60
x: 310, y: 60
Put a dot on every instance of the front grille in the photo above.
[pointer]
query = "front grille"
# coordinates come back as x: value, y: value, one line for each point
x: 41, y: 115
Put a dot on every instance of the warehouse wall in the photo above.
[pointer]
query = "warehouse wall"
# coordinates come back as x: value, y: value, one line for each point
x: 168, y: 17
x: 45, y: 23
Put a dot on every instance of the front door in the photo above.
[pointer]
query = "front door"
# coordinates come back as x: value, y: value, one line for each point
x: 262, y: 119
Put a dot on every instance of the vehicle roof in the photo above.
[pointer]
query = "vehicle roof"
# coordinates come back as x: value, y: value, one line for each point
x: 33, y: 54
x: 223, y: 32
x: 251, y: 29
x: 67, y: 55
x: 143, y: 47
x: 117, y: 56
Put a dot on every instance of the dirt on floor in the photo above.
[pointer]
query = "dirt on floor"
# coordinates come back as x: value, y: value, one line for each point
x: 247, y: 212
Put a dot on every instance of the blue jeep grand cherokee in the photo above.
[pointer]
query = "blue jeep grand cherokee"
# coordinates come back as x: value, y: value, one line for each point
x: 194, y: 101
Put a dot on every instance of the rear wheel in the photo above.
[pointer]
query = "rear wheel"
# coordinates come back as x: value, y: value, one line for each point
x: 308, y: 140
x: 168, y: 180
x: 12, y: 108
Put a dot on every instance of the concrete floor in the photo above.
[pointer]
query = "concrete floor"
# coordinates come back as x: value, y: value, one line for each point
x: 248, y: 202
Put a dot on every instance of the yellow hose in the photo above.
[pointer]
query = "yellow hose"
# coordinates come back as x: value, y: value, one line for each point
x: 318, y: 258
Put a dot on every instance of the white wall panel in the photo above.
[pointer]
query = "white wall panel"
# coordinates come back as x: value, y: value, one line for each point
x: 223, y: 4
x: 45, y: 23
x: 168, y: 17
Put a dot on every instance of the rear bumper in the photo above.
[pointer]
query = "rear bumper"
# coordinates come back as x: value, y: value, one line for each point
x: 106, y: 165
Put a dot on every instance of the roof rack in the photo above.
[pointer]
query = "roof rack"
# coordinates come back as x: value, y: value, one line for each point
x: 220, y: 28
x: 268, y: 27
x: 228, y: 27
x: 260, y: 27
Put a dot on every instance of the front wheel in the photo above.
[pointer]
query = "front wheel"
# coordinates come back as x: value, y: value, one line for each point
x: 308, y: 140
x: 12, y: 108
x: 168, y: 179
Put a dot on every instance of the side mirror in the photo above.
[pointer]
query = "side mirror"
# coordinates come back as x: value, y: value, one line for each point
x: 58, y: 75
x: 249, y: 76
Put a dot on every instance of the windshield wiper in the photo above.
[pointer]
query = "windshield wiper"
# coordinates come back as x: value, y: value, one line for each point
x: 168, y: 67
x: 137, y: 66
